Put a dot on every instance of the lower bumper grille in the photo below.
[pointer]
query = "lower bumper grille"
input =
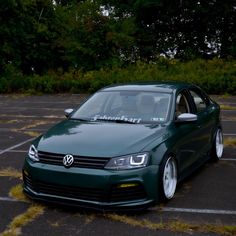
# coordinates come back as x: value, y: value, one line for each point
x: 127, y: 194
x: 115, y: 194
x: 65, y: 191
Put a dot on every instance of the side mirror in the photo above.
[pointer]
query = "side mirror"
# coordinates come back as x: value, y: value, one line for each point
x: 186, y: 117
x: 68, y: 112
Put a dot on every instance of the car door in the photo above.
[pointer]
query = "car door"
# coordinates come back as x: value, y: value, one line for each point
x: 205, y: 121
x: 189, y: 135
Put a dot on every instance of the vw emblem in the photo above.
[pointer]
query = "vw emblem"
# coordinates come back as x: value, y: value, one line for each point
x: 68, y: 160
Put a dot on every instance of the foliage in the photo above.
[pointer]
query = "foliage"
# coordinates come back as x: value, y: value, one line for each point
x: 73, y: 45
x: 215, y: 76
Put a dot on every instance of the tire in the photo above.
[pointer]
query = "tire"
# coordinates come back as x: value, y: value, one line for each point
x: 217, y: 146
x: 168, y: 178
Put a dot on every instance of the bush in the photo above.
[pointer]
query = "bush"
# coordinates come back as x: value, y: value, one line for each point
x: 214, y: 76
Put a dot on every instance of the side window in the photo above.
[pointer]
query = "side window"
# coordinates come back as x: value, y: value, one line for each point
x: 182, y: 105
x: 198, y: 100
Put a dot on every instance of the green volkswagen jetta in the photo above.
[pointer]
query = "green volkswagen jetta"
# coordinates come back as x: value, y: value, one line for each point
x: 127, y: 146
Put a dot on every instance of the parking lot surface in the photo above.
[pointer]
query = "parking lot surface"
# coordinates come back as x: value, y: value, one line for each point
x: 205, y: 203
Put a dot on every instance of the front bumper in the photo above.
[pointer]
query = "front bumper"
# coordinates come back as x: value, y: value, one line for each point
x: 91, y: 188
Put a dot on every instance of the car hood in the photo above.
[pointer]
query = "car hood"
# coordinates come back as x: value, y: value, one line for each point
x: 98, y: 139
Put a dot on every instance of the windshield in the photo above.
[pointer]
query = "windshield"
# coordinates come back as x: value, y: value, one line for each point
x: 125, y: 106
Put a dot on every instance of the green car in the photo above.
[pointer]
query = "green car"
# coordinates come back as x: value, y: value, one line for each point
x: 126, y: 147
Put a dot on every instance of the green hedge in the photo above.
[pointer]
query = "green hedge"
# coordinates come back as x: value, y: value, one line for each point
x: 214, y: 76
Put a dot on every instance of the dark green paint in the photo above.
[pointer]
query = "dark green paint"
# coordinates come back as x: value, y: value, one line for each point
x: 99, y: 139
x: 190, y: 143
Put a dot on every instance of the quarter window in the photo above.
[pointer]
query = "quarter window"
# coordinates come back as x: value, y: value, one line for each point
x: 198, y: 100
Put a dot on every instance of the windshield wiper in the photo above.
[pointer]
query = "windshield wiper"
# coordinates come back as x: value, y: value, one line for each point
x: 79, y: 119
x: 125, y: 121
x: 116, y: 121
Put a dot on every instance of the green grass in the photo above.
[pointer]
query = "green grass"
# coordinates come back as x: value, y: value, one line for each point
x: 174, y: 225
x: 227, y: 107
x: 10, y: 172
x: 14, y: 228
x: 230, y: 142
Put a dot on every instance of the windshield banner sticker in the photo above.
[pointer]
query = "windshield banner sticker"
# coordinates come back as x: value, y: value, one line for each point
x: 123, y: 118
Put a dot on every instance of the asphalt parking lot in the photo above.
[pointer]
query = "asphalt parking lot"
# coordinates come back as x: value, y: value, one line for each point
x: 205, y: 203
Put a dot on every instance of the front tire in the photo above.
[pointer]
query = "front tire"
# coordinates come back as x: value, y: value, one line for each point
x: 168, y: 178
x: 217, y: 147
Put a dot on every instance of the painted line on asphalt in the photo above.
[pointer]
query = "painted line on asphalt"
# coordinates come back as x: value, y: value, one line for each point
x: 33, y: 108
x: 229, y: 134
x: 228, y: 159
x: 56, y: 102
x: 27, y: 116
x: 33, y: 129
x: 228, y: 110
x: 200, y: 211
x: 17, y: 145
x: 8, y: 199
x: 16, y: 151
x: 227, y: 103
x: 165, y: 209
x: 10, y: 129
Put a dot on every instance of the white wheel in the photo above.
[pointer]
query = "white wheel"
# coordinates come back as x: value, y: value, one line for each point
x: 219, y: 144
x: 169, y: 178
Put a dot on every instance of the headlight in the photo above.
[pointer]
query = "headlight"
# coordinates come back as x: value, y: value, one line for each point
x: 128, y: 162
x: 33, y: 153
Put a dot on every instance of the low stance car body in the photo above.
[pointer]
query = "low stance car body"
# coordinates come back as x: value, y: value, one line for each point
x: 125, y: 147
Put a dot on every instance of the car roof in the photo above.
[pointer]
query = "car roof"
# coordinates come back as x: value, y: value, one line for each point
x: 168, y: 87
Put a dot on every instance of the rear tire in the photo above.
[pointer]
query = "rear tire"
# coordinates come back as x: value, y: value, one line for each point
x: 217, y: 146
x: 168, y: 178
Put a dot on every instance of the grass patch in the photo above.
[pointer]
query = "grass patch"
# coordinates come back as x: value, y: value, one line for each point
x: 174, y: 225
x: 230, y: 142
x: 229, y: 118
x: 32, y: 116
x: 227, y: 107
x: 29, y: 126
x: 33, y: 125
x: 55, y: 224
x: 14, y: 228
x: 134, y: 222
x: 10, y: 172
x: 89, y: 218
x: 8, y: 121
x: 17, y: 193
x: 226, y: 95
x: 32, y: 133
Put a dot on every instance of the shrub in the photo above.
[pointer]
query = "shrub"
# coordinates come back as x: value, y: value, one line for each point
x: 214, y: 76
